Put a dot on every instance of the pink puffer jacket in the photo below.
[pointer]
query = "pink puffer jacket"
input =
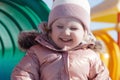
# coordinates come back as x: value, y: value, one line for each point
x: 44, y: 62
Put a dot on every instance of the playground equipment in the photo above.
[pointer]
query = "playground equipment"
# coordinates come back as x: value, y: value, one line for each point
x: 107, y: 12
x: 112, y: 50
x: 16, y: 16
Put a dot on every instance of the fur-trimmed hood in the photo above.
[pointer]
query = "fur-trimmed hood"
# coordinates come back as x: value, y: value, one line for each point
x: 26, y: 39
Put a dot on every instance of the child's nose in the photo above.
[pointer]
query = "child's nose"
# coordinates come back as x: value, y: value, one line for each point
x: 66, y: 32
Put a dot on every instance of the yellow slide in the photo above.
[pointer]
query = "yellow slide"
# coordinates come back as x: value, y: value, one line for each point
x: 112, y: 56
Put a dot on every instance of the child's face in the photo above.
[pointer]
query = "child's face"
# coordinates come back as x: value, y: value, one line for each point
x: 67, y: 33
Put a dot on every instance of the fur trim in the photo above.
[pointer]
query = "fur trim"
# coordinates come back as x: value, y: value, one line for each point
x: 26, y: 39
x: 99, y: 46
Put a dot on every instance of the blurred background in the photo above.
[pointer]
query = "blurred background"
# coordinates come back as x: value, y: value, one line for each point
x: 20, y: 15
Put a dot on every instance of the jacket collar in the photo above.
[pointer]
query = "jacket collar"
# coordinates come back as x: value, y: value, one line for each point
x: 47, y: 42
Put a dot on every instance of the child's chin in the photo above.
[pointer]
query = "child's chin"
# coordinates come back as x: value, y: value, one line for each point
x: 66, y: 48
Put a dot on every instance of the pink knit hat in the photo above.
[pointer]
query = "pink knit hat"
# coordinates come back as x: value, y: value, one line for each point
x: 79, y: 9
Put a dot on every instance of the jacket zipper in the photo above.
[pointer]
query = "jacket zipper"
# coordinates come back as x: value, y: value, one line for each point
x: 66, y: 64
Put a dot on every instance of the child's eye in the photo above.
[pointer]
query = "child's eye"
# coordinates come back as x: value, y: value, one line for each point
x: 60, y: 27
x: 73, y: 28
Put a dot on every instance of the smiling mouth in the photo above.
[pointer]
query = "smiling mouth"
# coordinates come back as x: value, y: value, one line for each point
x: 65, y: 40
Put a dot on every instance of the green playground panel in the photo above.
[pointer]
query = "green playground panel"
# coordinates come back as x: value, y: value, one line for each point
x: 16, y: 16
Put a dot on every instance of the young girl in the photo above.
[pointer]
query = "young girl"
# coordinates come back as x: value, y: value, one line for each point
x: 65, y: 49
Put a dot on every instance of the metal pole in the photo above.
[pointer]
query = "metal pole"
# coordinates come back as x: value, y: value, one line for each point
x: 118, y: 32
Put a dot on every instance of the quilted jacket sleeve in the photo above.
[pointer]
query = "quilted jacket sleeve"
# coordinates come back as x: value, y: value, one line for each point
x: 27, y: 69
x: 98, y: 70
